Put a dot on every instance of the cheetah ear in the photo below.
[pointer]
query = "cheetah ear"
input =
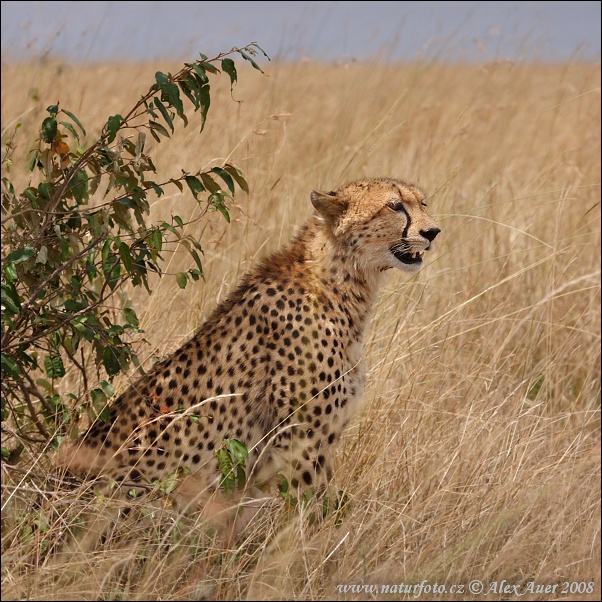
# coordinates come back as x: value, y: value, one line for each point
x: 329, y: 205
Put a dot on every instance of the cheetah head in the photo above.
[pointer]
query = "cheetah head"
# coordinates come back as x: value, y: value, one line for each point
x: 382, y: 222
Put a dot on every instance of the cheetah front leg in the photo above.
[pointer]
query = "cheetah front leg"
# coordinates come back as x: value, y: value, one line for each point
x: 300, y: 463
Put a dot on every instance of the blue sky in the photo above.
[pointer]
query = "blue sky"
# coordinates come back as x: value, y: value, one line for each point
x: 96, y: 31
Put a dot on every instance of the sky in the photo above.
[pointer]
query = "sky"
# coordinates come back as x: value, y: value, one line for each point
x: 331, y: 31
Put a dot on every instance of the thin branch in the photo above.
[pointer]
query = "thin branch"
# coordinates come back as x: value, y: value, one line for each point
x: 69, y: 318
x: 33, y: 414
x: 154, y: 89
x: 8, y: 335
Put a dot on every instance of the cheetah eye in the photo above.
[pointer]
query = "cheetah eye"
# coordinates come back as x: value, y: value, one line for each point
x: 424, y: 204
x: 395, y: 204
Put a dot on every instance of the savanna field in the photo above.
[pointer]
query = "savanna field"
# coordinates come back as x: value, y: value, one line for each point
x: 476, y: 455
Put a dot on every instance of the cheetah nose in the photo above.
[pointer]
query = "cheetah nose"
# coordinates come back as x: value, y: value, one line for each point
x: 430, y: 234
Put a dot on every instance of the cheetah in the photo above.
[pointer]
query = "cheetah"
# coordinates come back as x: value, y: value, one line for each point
x: 278, y: 365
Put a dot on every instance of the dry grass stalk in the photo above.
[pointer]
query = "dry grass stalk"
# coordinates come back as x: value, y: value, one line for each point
x: 478, y: 453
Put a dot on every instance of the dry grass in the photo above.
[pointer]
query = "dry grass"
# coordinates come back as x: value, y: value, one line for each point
x: 477, y: 455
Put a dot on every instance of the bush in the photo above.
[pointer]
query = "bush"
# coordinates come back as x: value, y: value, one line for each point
x: 70, y: 244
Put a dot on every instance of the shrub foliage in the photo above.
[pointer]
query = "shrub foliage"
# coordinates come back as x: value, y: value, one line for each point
x: 72, y: 241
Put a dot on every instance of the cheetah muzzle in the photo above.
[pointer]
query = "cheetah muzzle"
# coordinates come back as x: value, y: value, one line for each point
x: 279, y: 365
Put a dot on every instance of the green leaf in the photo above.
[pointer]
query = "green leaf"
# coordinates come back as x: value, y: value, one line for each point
x: 171, y: 95
x: 247, y: 57
x: 193, y: 85
x: 126, y: 256
x: 182, y: 279
x: 111, y: 268
x: 79, y: 324
x: 197, y: 259
x: 7, y: 183
x: 225, y: 176
x: 45, y: 191
x: 229, y: 67
x: 66, y: 250
x: 169, y: 484
x: 155, y: 125
x: 238, y: 450
x: 168, y: 227
x: 76, y: 284
x: 204, y: 103
x: 155, y: 239
x: 9, y: 307
x: 200, y: 72
x: 195, y: 186
x: 126, y: 201
x: 217, y: 200
x: 73, y: 305
x: 10, y: 298
x: 260, y: 49
x: 186, y: 89
x: 210, y: 183
x: 70, y: 128
x: 53, y: 110
x: 150, y: 110
x: 10, y: 271
x: 75, y: 120
x: 112, y: 127
x: 53, y: 364
x: 20, y: 255
x: 209, y: 66
x: 106, y: 250
x: 79, y: 186
x: 131, y: 317
x: 99, y: 402
x: 194, y: 274
x: 139, y: 195
x: 224, y: 462
x: 241, y: 477
x: 9, y: 367
x: 49, y: 129
x: 110, y: 361
x: 237, y: 175
x: 98, y: 397
x: 32, y: 195
x: 177, y: 184
x: 34, y: 160
x: 161, y: 78
x: 154, y: 134
x: 164, y: 112
x: 107, y: 388
x: 158, y: 190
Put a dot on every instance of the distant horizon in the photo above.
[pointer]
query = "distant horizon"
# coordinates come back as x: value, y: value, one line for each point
x: 95, y: 32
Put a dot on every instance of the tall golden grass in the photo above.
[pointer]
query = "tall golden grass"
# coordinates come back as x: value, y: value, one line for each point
x: 477, y: 453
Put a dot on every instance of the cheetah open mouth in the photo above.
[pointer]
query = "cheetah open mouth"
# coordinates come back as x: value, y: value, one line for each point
x: 409, y: 258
